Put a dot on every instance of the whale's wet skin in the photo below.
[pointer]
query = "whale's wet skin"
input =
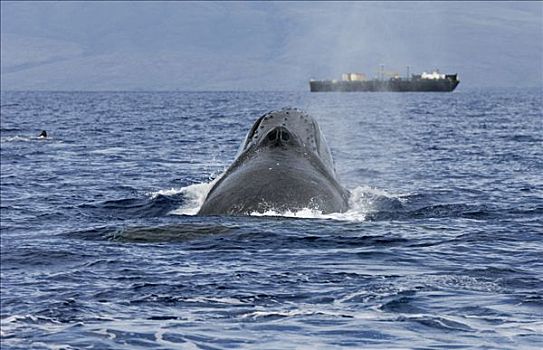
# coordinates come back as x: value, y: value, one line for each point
x: 285, y: 164
x: 439, y: 246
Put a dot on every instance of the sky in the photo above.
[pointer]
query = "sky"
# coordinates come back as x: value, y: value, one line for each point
x: 207, y: 46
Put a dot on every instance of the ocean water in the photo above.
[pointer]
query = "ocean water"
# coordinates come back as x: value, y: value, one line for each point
x: 441, y: 248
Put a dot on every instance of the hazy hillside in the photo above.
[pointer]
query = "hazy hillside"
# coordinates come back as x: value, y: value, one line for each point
x: 262, y: 46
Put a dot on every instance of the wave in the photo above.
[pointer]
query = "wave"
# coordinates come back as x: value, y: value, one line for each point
x: 6, y: 129
x: 364, y: 200
x: 18, y: 138
x: 152, y: 234
x: 365, y: 204
x: 194, y: 196
x: 133, y: 208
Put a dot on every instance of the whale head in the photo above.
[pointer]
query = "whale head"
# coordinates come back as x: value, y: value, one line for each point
x: 284, y: 164
x: 289, y: 129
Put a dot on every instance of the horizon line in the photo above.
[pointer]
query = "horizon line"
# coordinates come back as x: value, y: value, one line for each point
x: 217, y: 91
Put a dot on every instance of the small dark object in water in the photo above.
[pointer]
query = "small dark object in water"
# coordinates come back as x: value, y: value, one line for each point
x: 43, y: 134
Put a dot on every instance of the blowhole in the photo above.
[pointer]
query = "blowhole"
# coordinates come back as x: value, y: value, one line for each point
x: 272, y: 136
x: 285, y: 136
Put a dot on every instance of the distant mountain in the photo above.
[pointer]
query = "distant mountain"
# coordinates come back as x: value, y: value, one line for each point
x: 262, y: 46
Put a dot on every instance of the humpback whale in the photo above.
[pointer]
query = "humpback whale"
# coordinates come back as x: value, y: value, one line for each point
x: 284, y: 164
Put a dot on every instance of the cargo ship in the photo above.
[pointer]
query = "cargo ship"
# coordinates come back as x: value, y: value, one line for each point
x: 352, y: 82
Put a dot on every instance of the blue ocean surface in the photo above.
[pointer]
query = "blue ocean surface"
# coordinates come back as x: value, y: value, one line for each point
x: 441, y: 247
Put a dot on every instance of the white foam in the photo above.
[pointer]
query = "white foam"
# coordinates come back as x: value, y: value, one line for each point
x: 311, y: 310
x: 16, y: 139
x: 111, y: 150
x: 361, y: 203
x: 194, y: 197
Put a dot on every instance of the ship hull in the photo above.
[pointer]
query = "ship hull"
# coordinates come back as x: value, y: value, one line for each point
x: 421, y: 85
